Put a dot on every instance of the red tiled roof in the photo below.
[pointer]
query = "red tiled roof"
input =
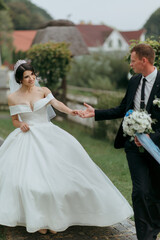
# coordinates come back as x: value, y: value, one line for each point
x: 94, y: 35
x: 22, y: 40
x: 132, y: 35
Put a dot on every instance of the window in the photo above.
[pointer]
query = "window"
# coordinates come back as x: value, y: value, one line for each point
x: 119, y: 43
x: 110, y: 43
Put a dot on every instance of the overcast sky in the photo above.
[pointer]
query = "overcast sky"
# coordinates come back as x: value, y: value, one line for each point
x: 120, y: 14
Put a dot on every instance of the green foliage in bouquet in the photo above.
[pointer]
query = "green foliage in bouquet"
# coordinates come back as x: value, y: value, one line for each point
x: 51, y: 61
x: 154, y: 44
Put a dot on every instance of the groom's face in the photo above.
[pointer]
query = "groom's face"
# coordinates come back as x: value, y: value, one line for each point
x: 136, y: 63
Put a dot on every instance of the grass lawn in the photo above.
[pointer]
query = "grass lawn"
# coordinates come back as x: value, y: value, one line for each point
x: 110, y: 160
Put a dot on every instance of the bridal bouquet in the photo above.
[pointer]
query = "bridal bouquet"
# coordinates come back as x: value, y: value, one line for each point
x: 137, y: 122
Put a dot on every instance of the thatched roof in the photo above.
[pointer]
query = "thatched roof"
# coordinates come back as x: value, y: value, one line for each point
x: 69, y: 34
x: 58, y: 23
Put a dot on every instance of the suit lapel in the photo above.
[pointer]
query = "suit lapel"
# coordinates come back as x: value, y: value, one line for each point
x: 154, y: 90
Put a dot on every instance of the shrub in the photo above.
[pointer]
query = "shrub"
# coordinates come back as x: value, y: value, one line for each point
x: 51, y: 60
x: 87, y: 71
x: 18, y: 55
x: 99, y: 70
x: 154, y: 44
x: 108, y: 129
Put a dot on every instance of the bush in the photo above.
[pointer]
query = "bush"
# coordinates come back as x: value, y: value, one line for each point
x: 108, y: 129
x: 98, y: 71
x: 87, y: 71
x: 51, y: 60
x: 119, y: 74
x: 19, y: 55
x: 154, y: 44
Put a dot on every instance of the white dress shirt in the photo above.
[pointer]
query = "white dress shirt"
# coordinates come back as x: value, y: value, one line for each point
x: 148, y: 87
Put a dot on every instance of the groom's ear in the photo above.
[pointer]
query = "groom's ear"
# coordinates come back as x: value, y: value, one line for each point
x: 145, y: 60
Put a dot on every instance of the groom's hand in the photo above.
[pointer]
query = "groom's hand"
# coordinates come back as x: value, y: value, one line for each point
x: 88, y: 113
x: 137, y: 142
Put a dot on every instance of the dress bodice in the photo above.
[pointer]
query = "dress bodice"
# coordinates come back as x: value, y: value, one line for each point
x: 33, y: 116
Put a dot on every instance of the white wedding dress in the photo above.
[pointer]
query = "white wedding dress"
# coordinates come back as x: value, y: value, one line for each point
x: 47, y: 180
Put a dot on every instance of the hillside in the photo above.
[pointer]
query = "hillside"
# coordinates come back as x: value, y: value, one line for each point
x: 153, y: 25
x: 26, y: 15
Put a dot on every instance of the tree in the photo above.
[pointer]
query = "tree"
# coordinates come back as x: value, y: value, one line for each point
x: 153, y: 25
x: 6, y: 28
x: 52, y: 62
x: 2, y: 5
x: 26, y: 15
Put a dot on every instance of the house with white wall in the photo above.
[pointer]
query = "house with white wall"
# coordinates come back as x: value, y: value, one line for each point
x: 96, y: 37
x: 102, y: 37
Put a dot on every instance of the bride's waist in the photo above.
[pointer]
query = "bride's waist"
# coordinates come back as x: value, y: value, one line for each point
x: 36, y: 123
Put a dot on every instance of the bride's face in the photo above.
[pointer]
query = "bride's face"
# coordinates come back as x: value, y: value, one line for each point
x: 28, y: 78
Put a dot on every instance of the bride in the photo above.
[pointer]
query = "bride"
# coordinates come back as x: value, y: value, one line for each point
x: 47, y: 180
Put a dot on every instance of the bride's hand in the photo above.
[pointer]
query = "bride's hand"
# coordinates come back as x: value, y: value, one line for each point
x: 24, y: 127
x: 74, y: 112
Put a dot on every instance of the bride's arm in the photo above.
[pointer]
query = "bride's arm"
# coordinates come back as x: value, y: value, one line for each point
x: 18, y: 124
x: 59, y: 105
x: 15, y: 120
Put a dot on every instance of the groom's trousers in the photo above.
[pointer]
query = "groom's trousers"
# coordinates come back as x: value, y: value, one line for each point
x: 145, y: 174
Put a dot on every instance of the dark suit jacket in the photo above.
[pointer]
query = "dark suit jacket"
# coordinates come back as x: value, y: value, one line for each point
x: 127, y: 103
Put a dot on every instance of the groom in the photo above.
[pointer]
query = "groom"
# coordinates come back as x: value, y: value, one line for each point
x: 145, y: 171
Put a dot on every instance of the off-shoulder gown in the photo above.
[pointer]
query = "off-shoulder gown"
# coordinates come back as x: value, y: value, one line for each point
x: 47, y: 180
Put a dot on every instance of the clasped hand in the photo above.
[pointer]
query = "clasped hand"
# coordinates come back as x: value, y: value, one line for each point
x: 24, y: 127
x: 87, y: 113
x: 90, y: 112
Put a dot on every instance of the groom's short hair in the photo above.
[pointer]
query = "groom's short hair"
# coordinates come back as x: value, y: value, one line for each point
x: 144, y: 50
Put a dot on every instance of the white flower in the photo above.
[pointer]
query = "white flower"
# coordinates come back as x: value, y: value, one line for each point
x: 156, y: 101
x: 137, y: 122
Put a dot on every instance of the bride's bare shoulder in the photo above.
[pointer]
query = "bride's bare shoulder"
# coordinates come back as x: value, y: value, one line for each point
x: 46, y: 91
x: 12, y: 98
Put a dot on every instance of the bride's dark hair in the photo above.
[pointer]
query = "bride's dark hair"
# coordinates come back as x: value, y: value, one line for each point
x: 21, y: 69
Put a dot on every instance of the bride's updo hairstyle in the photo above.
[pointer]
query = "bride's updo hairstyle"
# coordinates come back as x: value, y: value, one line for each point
x: 21, y: 69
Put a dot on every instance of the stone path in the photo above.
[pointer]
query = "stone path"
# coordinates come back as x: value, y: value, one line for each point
x: 122, y: 231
